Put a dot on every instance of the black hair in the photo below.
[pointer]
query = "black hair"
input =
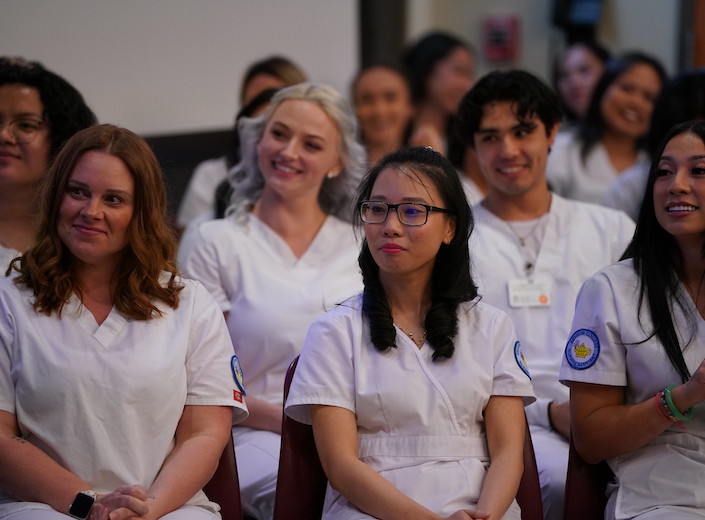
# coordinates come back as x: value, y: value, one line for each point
x: 421, y: 58
x: 658, y: 263
x: 681, y: 99
x: 64, y: 108
x: 592, y: 127
x: 594, y: 48
x: 529, y: 94
x: 451, y: 281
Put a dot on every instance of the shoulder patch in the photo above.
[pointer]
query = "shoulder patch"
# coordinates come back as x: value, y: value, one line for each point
x: 583, y: 349
x: 521, y: 361
x: 236, y: 369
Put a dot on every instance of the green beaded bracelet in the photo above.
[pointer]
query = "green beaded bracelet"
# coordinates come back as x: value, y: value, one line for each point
x: 672, y: 407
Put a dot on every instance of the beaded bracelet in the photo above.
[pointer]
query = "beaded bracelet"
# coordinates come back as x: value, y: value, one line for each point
x: 687, y: 416
x: 661, y: 406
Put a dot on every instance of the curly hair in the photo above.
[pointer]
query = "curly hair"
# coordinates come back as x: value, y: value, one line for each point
x: 64, y: 108
x: 451, y: 281
x: 336, y: 194
x: 47, y: 267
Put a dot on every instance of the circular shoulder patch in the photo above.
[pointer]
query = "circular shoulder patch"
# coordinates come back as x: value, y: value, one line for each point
x: 237, y: 373
x: 583, y: 349
x: 521, y: 361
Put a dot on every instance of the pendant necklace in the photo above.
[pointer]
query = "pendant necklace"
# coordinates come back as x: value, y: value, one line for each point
x: 418, y: 342
x: 523, y: 240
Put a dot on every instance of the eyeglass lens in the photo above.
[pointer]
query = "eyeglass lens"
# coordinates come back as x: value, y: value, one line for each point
x: 408, y: 213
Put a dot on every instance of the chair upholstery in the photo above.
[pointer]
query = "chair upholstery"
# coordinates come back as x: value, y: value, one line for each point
x: 585, y: 486
x: 224, y: 487
x: 301, y: 483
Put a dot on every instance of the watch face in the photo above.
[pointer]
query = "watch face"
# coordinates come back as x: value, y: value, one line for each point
x: 81, y: 506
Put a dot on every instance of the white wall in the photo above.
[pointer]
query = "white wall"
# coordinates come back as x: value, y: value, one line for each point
x: 647, y: 25
x: 166, y: 66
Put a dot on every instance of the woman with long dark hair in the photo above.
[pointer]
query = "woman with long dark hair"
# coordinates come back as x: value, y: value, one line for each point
x: 414, y: 387
x: 635, y: 359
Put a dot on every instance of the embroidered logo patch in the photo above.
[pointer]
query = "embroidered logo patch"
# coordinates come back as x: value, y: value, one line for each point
x: 583, y: 349
x: 521, y: 361
x: 237, y: 376
x: 237, y: 396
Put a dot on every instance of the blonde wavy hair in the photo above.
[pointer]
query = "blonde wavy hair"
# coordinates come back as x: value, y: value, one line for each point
x: 46, y: 268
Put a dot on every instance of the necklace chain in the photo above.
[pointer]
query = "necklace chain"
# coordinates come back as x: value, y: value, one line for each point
x: 419, y: 342
x: 529, y: 263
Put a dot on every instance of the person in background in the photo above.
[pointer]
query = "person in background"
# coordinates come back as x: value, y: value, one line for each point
x: 635, y: 357
x: 455, y: 449
x: 39, y: 111
x: 682, y: 99
x: 263, y: 75
x: 382, y: 100
x: 284, y: 254
x: 116, y: 391
x: 586, y: 161
x: 534, y: 249
x: 462, y: 156
x: 576, y: 72
x: 441, y: 70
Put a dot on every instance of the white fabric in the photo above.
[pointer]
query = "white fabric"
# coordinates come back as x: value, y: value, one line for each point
x: 578, y: 240
x: 7, y: 254
x: 271, y: 297
x: 200, y: 193
x: 472, y: 192
x: 104, y: 400
x: 420, y: 422
x: 627, y: 192
x: 574, y: 178
x: 184, y: 513
x: 670, y: 469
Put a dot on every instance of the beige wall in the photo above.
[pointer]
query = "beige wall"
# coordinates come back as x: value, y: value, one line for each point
x: 648, y: 25
x: 163, y: 66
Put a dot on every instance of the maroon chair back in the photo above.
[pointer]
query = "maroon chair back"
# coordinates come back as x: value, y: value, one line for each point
x: 529, y: 493
x: 224, y: 486
x: 585, y: 486
x: 301, y: 482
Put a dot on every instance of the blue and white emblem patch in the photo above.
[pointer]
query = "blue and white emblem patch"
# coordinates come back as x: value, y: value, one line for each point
x: 583, y: 349
x: 237, y: 373
x: 521, y: 361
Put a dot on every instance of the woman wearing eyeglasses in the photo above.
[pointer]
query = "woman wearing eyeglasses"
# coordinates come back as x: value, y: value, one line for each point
x: 282, y: 257
x: 415, y: 389
x: 39, y: 111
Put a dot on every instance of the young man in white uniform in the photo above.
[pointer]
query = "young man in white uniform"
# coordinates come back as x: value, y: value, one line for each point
x: 534, y: 249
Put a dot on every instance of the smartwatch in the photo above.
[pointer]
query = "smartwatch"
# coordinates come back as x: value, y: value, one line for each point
x: 83, y: 503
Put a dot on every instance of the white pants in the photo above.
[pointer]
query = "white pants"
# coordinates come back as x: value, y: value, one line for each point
x: 257, y: 454
x: 185, y: 513
x: 551, y: 450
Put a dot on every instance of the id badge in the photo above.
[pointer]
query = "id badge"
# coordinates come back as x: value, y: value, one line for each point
x: 529, y: 293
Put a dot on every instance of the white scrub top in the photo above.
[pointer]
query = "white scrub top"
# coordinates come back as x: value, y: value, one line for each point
x: 199, y: 197
x: 271, y: 296
x: 420, y: 423
x: 608, y: 346
x: 579, y: 239
x: 104, y: 400
x: 576, y: 179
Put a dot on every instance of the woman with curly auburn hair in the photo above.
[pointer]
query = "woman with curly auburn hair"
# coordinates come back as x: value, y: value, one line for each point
x: 116, y: 387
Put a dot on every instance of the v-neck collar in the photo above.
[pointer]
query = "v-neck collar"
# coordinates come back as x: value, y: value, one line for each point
x: 282, y: 248
x: 104, y: 333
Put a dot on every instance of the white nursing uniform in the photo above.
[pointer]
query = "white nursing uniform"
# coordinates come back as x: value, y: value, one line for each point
x: 272, y: 297
x: 627, y: 192
x: 576, y: 179
x: 579, y: 239
x: 608, y: 346
x: 199, y: 197
x: 104, y: 400
x: 420, y: 423
x: 7, y: 254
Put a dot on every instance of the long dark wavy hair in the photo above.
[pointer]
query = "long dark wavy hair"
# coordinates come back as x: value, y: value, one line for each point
x: 451, y: 281
x: 658, y: 263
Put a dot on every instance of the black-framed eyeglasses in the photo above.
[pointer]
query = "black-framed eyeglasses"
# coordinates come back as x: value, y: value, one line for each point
x: 23, y: 130
x: 409, y: 213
